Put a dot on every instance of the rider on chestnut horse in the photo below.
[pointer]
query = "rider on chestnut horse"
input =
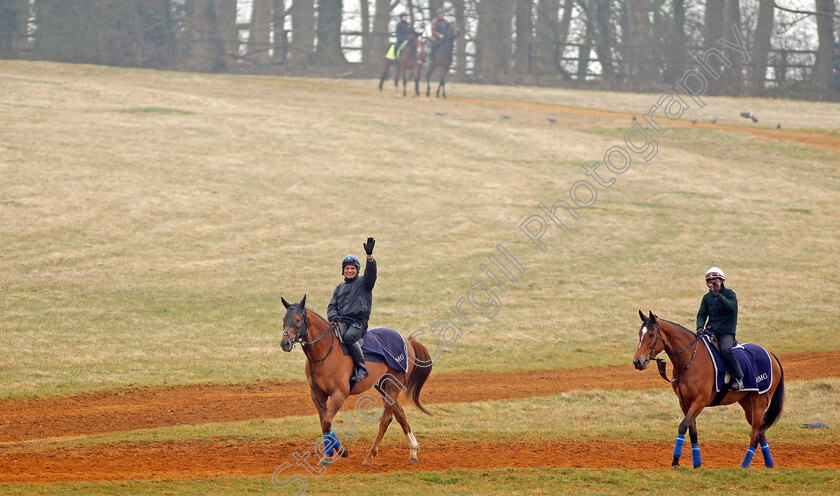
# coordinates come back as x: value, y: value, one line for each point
x: 720, y: 307
x: 439, y: 27
x: 349, y: 308
x: 404, y: 32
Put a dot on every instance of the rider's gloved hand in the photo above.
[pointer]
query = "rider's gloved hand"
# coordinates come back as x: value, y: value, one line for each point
x: 369, y: 246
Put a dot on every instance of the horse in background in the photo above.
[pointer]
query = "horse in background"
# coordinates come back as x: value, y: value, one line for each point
x: 694, y: 376
x: 408, y: 61
x: 441, y: 58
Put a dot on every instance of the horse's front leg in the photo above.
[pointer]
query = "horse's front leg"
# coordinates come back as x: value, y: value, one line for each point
x: 428, y: 80
x: 331, y: 442
x: 688, y: 423
x: 417, y: 80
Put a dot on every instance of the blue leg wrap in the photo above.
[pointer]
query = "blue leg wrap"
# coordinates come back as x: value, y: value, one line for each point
x: 331, y: 443
x: 768, y: 458
x: 748, y: 458
x: 678, y: 446
x: 695, y: 455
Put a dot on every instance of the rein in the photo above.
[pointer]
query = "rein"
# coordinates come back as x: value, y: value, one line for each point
x: 660, y: 362
x: 307, y: 345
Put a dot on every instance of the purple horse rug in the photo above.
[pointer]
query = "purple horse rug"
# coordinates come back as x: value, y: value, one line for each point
x: 755, y: 364
x: 383, y: 345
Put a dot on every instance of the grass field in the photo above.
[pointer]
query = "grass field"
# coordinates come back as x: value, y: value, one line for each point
x: 150, y: 222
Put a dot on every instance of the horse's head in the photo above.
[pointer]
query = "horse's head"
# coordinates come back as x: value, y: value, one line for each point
x: 294, y: 324
x: 651, y: 342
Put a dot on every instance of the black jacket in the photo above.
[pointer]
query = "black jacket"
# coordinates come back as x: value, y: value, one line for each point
x: 404, y: 30
x: 722, y: 312
x: 351, y: 301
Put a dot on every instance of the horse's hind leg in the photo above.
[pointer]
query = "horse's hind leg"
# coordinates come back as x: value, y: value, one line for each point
x: 384, y: 75
x: 754, y: 405
x: 384, y: 422
x: 413, y: 445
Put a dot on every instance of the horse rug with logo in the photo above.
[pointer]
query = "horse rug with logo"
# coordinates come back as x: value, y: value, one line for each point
x: 383, y: 345
x: 755, y: 364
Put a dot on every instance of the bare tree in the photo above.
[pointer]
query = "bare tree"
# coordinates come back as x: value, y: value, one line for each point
x: 524, y: 36
x: 303, y: 29
x: 12, y: 23
x: 329, y: 33
x: 637, y: 46
x: 545, y: 40
x: 278, y: 25
x: 826, y: 51
x: 763, y: 30
x: 733, y: 76
x: 364, y: 5
x: 381, y: 33
x: 461, y: 41
x: 493, y: 37
x: 604, y: 42
x: 259, y: 32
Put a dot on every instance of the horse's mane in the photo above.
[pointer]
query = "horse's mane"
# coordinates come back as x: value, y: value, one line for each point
x: 678, y: 326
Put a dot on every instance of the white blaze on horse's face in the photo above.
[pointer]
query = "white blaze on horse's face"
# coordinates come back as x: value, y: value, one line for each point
x: 642, y: 337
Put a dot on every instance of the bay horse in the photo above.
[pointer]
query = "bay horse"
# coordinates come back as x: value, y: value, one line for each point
x: 409, y: 60
x: 441, y: 59
x: 328, y: 373
x: 694, y: 384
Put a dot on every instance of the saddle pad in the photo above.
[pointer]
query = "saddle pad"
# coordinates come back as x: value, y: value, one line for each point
x: 384, y: 345
x: 755, y: 364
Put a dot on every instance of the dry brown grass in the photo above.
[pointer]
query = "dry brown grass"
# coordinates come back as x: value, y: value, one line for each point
x: 151, y: 221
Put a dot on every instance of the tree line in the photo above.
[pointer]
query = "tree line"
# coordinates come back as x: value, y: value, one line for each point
x: 628, y: 44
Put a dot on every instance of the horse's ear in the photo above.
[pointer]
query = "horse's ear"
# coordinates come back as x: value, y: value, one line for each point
x: 651, y: 315
x: 642, y: 316
x: 303, y: 302
x: 285, y: 303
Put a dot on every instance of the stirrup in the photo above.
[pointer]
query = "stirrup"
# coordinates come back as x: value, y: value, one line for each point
x: 736, y: 385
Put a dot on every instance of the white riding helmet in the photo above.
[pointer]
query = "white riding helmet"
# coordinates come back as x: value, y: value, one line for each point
x: 715, y: 273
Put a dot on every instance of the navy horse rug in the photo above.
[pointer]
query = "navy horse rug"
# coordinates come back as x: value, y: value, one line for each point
x: 385, y: 346
x: 755, y: 364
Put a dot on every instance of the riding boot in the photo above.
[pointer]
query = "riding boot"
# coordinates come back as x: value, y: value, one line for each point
x: 734, y: 369
x: 360, y: 371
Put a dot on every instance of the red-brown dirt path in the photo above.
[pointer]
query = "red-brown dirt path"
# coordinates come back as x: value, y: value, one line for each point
x: 123, y: 410
x: 229, y: 458
x: 803, y: 137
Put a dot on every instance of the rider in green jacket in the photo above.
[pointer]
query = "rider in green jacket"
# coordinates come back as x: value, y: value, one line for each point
x: 720, y: 307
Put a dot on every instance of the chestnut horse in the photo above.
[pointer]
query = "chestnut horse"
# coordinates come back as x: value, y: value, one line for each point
x: 441, y: 59
x: 409, y: 60
x: 328, y: 373
x: 694, y: 384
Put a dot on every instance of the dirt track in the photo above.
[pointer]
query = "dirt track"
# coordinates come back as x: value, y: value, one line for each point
x: 33, y: 421
x: 122, y: 410
x: 807, y: 138
x: 229, y: 458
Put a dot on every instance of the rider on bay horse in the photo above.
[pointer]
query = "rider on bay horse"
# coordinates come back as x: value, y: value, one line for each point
x: 720, y: 306
x: 405, y: 32
x: 439, y: 28
x: 350, y: 305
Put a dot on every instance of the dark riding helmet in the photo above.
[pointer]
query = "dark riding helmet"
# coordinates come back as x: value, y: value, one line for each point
x: 440, y: 11
x: 404, y: 14
x: 350, y: 260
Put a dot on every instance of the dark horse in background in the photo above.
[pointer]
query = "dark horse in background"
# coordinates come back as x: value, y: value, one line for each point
x: 441, y: 59
x: 328, y: 375
x: 694, y: 384
x: 408, y: 61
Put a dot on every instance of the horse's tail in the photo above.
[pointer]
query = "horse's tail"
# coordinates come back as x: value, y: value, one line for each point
x: 422, y: 362
x: 774, y: 411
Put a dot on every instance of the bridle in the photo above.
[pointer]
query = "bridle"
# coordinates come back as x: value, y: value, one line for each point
x: 660, y: 362
x: 300, y: 337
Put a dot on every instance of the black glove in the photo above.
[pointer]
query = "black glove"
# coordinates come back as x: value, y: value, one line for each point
x: 715, y: 292
x: 369, y: 246
x: 700, y: 331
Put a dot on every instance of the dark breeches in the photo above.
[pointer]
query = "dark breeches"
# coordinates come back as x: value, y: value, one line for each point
x: 726, y: 342
x: 353, y: 333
